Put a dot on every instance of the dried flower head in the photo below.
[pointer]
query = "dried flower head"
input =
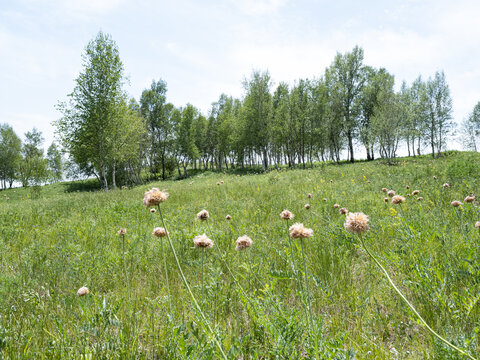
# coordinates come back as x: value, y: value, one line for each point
x: 325, y: 199
x: 408, y: 187
x: 82, y: 291
x: 243, y: 242
x: 455, y: 203
x: 309, y: 195
x: 331, y: 181
x: 122, y: 231
x: 477, y: 225
x: 434, y: 177
x: 469, y: 199
x: 398, y: 199
x: 286, y: 215
x: 343, y: 211
x: 228, y: 217
x: 218, y: 183
x: 203, y: 215
x: 336, y: 206
x: 419, y: 198
x: 384, y: 189
x: 153, y: 211
x: 298, y: 231
x: 159, y: 232
x: 385, y: 199
x: 446, y: 185
x: 154, y: 197
x: 124, y: 187
x: 415, y: 192
x: 307, y: 206
x: 391, y: 193
x: 202, y: 241
x: 356, y: 222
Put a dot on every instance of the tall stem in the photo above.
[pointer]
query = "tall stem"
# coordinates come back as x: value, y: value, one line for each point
x: 203, y: 288
x: 292, y: 255
x: 410, y: 305
x: 125, y: 266
x: 309, y: 304
x: 203, y: 320
x: 164, y: 255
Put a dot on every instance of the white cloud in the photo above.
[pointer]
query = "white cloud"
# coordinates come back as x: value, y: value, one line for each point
x: 258, y: 7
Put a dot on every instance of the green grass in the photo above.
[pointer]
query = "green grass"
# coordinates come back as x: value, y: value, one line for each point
x: 52, y: 245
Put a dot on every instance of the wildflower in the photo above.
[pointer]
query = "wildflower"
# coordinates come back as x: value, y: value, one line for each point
x: 434, y: 177
x: 202, y: 241
x: 408, y: 187
x: 159, y: 232
x: 336, y: 206
x: 309, y: 195
x: 243, y: 242
x: 469, y: 199
x: 420, y: 198
x: 446, y: 185
x: 331, y: 181
x: 228, y: 217
x: 356, y: 222
x: 221, y: 181
x: 455, y: 203
x: 324, y: 199
x: 218, y: 183
x: 154, y: 197
x: 152, y: 210
x: 124, y: 187
x: 307, y: 206
x: 415, y: 192
x: 286, y: 215
x: 477, y: 225
x: 397, y: 199
x: 391, y: 193
x: 343, y: 211
x: 385, y: 199
x: 82, y: 291
x: 122, y: 231
x: 298, y: 231
x: 203, y: 215
x: 384, y: 189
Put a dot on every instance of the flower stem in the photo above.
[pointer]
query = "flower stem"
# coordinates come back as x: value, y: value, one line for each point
x: 203, y: 320
x: 410, y: 305
x: 125, y: 266
x: 308, y: 302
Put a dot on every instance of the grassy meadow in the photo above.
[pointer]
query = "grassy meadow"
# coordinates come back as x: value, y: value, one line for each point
x: 255, y: 301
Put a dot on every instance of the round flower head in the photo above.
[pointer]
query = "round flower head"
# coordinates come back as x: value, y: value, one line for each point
x: 384, y: 189
x: 82, y: 291
x: 309, y: 196
x: 286, y: 215
x: 159, y: 232
x: 420, y: 198
x: 408, y: 187
x: 218, y: 183
x: 324, y: 199
x: 477, y: 225
x: 398, y: 199
x: 434, y: 177
x: 228, y: 217
x: 221, y: 181
x: 336, y: 206
x: 122, y: 231
x: 154, y: 197
x: 152, y: 210
x: 469, y: 199
x: 455, y: 203
x: 415, y: 192
x: 203, y: 215
x: 243, y: 242
x: 391, y: 193
x: 385, y: 199
x: 331, y: 181
x: 202, y: 241
x: 307, y: 206
x: 356, y: 222
x: 343, y: 211
x: 446, y: 185
x: 298, y: 231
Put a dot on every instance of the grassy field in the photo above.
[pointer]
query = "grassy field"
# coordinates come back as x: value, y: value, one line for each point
x: 255, y: 301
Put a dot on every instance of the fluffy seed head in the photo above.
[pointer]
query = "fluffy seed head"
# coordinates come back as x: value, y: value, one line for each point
x: 202, y: 241
x: 243, y: 242
x: 309, y: 195
x: 455, y: 203
x: 82, y: 291
x: 384, y: 189
x: 415, y: 192
x: 122, y: 231
x: 298, y: 231
x: 154, y: 197
x: 324, y: 199
x: 203, y: 215
x: 307, y: 206
x: 398, y: 199
x: 408, y: 187
x: 391, y: 193
x: 343, y: 211
x: 434, y: 177
x: 446, y: 185
x: 385, y: 199
x: 356, y: 222
x: 228, y: 217
x: 336, y: 206
x: 420, y: 198
x: 469, y: 199
x: 286, y: 215
x: 159, y: 232
x: 152, y: 210
x: 477, y: 225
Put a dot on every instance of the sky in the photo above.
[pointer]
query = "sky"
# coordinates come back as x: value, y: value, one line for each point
x: 205, y: 48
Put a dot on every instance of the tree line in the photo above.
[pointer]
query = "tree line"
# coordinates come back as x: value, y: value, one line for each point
x: 120, y: 140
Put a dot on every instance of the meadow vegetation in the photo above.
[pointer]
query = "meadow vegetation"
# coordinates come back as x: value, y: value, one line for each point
x: 319, y: 297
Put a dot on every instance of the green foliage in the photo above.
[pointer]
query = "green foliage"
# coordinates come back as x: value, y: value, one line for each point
x: 466, y: 168
x: 10, y: 155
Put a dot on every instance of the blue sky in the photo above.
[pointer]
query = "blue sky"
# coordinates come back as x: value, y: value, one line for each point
x: 205, y: 48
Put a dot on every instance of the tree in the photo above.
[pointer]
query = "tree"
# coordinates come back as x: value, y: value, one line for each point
x: 348, y: 75
x: 10, y: 155
x: 187, y: 150
x: 33, y: 167
x: 88, y: 128
x: 55, y: 163
x: 470, y: 128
